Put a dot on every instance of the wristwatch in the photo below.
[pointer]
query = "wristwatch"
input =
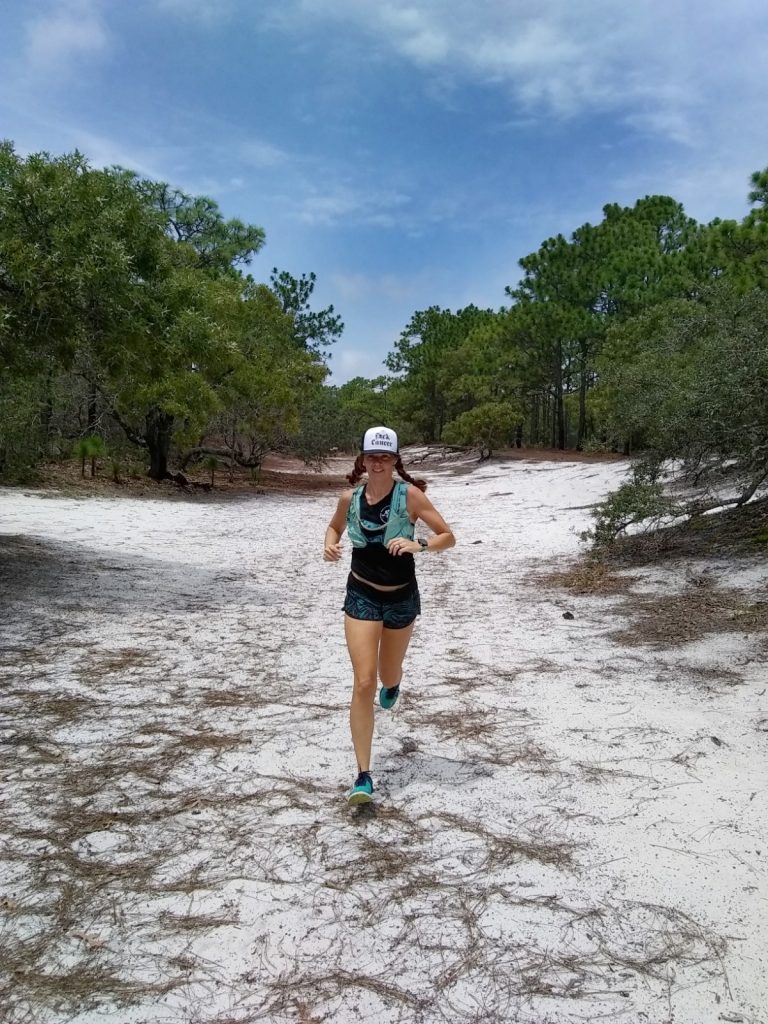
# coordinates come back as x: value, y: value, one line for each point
x: 422, y: 543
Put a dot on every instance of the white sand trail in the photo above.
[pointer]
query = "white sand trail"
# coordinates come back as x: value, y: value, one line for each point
x: 567, y: 829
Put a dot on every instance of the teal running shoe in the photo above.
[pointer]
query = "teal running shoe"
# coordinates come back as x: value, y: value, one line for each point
x: 388, y: 696
x: 362, y: 791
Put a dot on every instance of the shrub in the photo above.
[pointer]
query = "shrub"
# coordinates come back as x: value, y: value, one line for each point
x: 639, y: 501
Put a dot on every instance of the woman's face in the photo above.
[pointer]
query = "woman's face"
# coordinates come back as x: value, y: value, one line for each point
x: 376, y: 465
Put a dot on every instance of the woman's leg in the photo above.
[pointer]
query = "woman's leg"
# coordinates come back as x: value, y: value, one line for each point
x: 394, y: 644
x: 363, y: 637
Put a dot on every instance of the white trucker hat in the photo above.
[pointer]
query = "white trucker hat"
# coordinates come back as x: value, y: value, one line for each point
x: 379, y: 441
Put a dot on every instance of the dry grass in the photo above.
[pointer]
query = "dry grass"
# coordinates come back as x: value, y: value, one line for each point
x: 590, y: 576
x: 662, y: 620
x: 384, y: 866
x: 22, y: 656
x: 483, y: 976
x: 712, y: 679
x: 58, y: 709
x: 329, y: 986
x: 604, y: 774
x: 483, y: 737
x: 65, y: 478
x: 98, y: 665
x: 196, y: 922
x: 187, y: 742
x: 134, y: 837
x: 241, y: 697
x: 735, y: 532
x: 97, y: 918
x: 703, y: 608
x: 505, y: 850
x: 460, y: 724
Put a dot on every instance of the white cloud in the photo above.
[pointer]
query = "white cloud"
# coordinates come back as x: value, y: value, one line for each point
x: 360, y: 287
x: 204, y: 12
x: 67, y: 32
x: 717, y: 188
x: 64, y: 136
x: 346, y: 203
x: 258, y: 153
x: 364, y: 356
x: 661, y: 62
x: 352, y: 360
x: 102, y: 151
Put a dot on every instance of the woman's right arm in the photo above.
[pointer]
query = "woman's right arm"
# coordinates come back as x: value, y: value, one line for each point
x: 332, y: 546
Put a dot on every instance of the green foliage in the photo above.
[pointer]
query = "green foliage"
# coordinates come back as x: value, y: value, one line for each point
x: 572, y: 290
x: 211, y: 463
x: 77, y: 250
x: 691, y: 378
x: 312, y: 330
x: 22, y: 430
x: 758, y: 196
x: 426, y: 354
x: 123, y: 308
x: 486, y: 426
x: 91, y: 447
x: 567, y: 354
x: 133, y: 288
x: 196, y: 223
x: 362, y: 403
x: 640, y: 500
x: 270, y: 385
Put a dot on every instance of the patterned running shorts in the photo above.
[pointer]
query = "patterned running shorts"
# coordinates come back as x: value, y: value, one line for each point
x: 389, y: 607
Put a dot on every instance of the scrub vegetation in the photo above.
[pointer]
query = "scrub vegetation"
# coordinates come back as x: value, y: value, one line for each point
x: 130, y: 329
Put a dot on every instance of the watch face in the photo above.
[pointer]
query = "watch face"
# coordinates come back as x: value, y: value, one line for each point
x: 422, y: 542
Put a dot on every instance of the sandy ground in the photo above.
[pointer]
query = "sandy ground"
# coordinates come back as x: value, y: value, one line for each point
x: 571, y: 822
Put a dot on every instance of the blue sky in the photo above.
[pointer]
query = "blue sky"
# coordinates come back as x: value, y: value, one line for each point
x: 407, y: 151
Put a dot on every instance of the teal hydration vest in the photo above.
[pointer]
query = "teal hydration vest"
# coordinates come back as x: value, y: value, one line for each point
x: 398, y: 524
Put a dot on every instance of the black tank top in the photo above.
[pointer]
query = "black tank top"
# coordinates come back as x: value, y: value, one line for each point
x: 374, y: 563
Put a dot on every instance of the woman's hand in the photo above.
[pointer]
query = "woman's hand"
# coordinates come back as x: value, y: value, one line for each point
x: 403, y: 546
x: 332, y: 552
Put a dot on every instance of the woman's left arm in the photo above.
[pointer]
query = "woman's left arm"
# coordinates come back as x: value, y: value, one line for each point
x: 420, y: 507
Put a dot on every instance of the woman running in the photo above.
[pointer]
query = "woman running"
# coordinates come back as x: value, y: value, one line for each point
x: 382, y: 599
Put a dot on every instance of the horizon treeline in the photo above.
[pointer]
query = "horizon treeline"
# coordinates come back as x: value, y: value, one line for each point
x: 127, y: 319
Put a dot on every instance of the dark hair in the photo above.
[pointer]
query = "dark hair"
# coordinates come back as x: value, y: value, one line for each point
x: 358, y: 471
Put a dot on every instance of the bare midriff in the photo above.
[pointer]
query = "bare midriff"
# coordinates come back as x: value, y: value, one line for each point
x: 377, y: 586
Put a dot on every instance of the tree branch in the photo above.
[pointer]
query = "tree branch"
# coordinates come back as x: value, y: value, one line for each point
x: 130, y: 433
x: 253, y: 462
x: 748, y: 493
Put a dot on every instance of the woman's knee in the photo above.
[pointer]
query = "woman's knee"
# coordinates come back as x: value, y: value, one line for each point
x: 365, y: 687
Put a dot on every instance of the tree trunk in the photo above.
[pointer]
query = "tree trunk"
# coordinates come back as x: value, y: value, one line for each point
x: 46, y: 413
x: 158, y: 438
x: 534, y: 436
x: 93, y: 409
x: 553, y: 405
x: 559, y: 411
x: 582, y: 429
